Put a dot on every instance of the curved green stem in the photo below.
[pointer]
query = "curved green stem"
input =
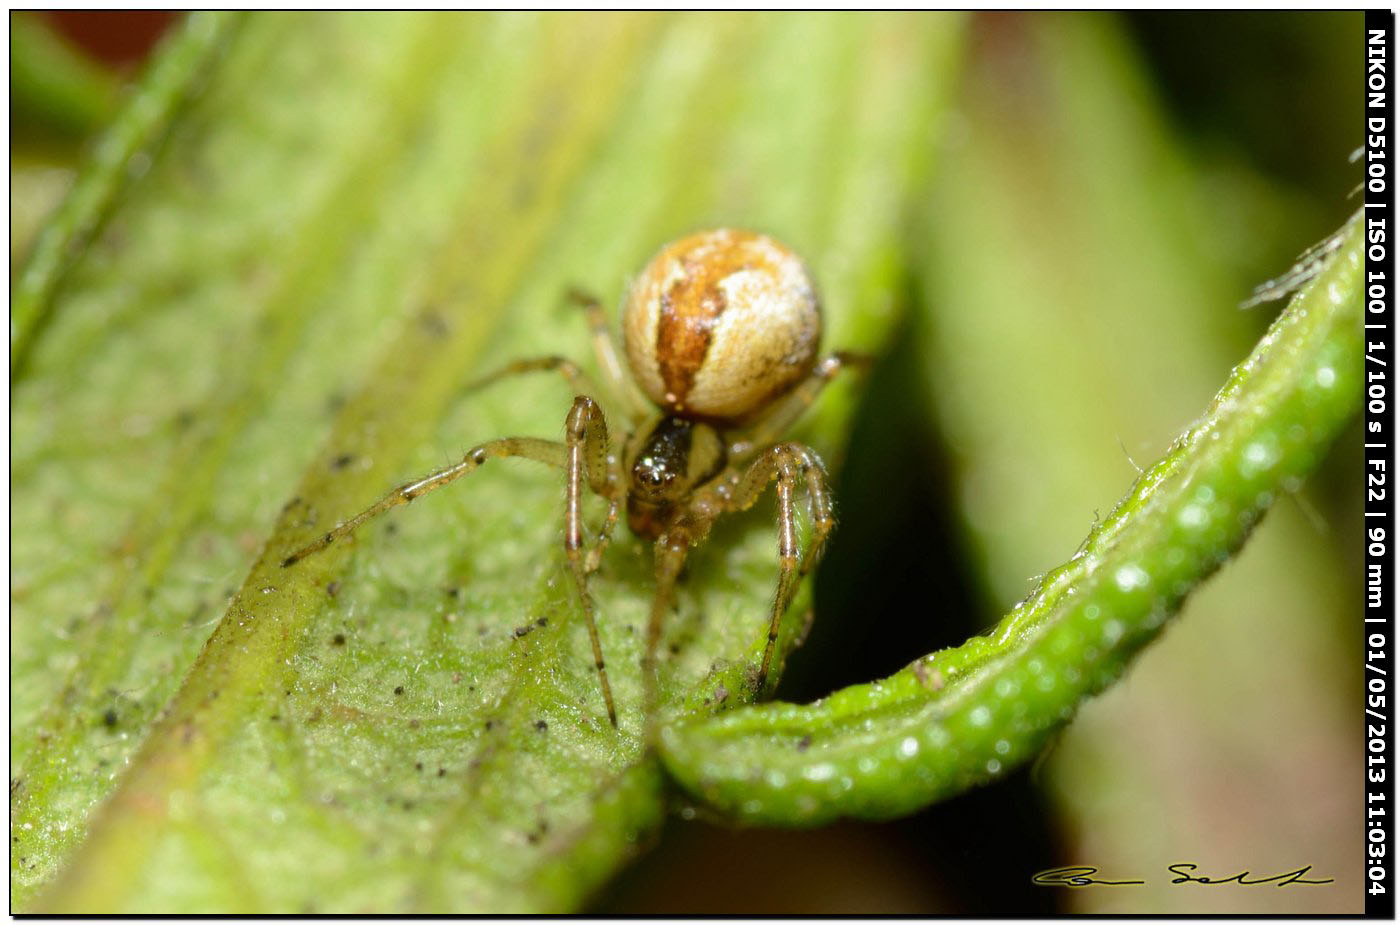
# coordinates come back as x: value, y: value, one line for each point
x: 965, y: 716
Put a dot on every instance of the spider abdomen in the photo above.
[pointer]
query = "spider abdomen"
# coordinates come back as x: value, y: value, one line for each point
x: 721, y: 323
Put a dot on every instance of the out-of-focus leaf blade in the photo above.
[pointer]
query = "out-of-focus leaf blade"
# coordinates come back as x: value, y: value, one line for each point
x: 54, y: 89
x: 1085, y: 272
x: 122, y: 154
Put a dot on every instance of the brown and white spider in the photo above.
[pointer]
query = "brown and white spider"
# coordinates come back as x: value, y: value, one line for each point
x: 721, y: 332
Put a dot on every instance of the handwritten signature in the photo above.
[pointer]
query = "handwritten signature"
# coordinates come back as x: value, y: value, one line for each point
x: 1185, y: 873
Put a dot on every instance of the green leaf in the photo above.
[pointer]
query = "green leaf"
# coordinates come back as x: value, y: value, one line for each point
x: 967, y: 715
x: 55, y: 90
x: 256, y: 313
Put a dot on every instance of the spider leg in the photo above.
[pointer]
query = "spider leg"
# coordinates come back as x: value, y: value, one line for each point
x: 583, y: 455
x: 587, y: 447
x: 618, y: 379
x: 786, y: 463
x: 603, y: 477
x: 669, y: 553
x: 600, y: 545
x: 578, y: 380
x: 549, y: 452
x: 582, y: 385
x: 789, y: 408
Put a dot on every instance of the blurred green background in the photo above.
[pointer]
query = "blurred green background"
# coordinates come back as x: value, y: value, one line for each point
x: 1102, y: 192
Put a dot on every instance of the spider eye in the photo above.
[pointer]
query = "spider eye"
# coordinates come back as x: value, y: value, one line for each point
x: 653, y: 472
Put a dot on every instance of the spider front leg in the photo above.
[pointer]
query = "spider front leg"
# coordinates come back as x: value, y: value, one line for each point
x: 786, y: 463
x: 583, y: 386
x: 587, y: 435
x: 583, y: 455
x: 549, y: 452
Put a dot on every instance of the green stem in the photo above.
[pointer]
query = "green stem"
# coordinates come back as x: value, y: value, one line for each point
x: 965, y: 716
x: 115, y: 161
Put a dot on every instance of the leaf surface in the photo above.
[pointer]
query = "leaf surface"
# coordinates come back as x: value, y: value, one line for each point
x: 263, y: 320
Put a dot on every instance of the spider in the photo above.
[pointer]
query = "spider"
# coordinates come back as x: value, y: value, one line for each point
x: 720, y: 331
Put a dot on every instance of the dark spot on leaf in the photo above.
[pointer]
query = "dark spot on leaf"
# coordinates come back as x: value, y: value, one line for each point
x: 804, y: 743
x: 399, y: 689
x: 522, y: 630
x: 454, y: 593
x: 442, y: 772
x: 434, y: 325
x: 333, y: 588
x: 341, y: 461
x: 541, y: 725
x: 417, y: 765
x: 338, y: 639
x: 109, y: 719
x: 542, y: 621
x: 275, y: 717
x: 489, y: 724
x: 540, y: 830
